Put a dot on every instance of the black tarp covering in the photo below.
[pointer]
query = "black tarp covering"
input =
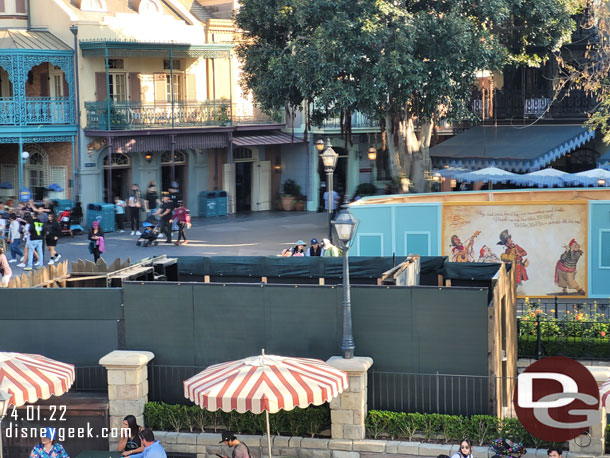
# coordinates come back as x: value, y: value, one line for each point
x: 232, y: 268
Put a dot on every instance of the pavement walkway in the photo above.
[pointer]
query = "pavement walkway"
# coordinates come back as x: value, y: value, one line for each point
x: 252, y: 234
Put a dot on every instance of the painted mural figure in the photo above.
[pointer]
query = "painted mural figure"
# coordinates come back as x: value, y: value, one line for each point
x: 461, y: 253
x: 486, y: 255
x: 565, y: 269
x: 514, y: 252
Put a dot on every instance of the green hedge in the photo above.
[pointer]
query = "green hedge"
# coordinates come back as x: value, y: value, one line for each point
x: 481, y: 429
x: 573, y: 347
x: 298, y: 422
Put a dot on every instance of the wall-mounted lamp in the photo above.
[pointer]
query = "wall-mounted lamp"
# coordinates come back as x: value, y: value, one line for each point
x: 453, y: 183
x: 372, y: 154
x: 320, y: 145
x: 601, y: 182
x: 148, y: 157
x: 277, y: 166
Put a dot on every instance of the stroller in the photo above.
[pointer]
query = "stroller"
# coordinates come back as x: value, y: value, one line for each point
x: 150, y: 233
x: 69, y: 222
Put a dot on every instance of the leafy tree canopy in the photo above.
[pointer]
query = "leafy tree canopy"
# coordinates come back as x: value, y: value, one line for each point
x: 406, y: 63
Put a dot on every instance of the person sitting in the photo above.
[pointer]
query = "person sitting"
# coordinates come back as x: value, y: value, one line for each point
x: 297, y: 250
x: 130, y: 444
x: 329, y: 249
x: 315, y: 249
x: 152, y: 448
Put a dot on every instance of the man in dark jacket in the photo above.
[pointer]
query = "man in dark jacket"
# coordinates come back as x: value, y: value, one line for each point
x: 52, y: 233
x: 36, y: 229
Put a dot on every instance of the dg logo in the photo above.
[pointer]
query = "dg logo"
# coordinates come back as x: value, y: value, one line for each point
x: 557, y: 399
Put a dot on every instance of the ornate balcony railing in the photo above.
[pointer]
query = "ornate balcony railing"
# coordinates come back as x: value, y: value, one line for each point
x: 512, y: 105
x: 36, y: 110
x: 359, y: 120
x: 136, y: 115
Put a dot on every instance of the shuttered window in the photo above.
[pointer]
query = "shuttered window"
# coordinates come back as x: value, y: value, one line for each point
x: 58, y: 175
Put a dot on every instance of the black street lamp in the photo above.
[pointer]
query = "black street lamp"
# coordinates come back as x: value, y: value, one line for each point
x: 344, y: 228
x: 329, y: 159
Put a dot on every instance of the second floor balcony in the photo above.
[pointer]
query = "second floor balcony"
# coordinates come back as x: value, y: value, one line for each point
x: 36, y: 110
x: 138, y: 115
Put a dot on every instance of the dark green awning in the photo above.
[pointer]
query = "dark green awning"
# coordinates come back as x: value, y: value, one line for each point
x: 519, y: 148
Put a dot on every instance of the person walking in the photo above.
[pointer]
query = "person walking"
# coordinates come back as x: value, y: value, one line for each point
x: 134, y: 204
x: 315, y: 249
x: 53, y: 232
x: 5, y: 269
x: 183, y: 218
x: 14, y: 238
x: 240, y: 449
x: 152, y: 448
x: 119, y: 213
x: 36, y: 232
x: 165, y: 213
x: 152, y: 198
x: 96, y: 237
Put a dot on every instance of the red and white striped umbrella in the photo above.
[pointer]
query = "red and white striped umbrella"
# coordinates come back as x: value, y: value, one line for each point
x: 28, y: 378
x: 265, y: 383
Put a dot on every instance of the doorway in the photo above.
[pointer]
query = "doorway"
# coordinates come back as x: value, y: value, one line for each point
x: 243, y: 186
x: 180, y: 172
x: 120, y: 176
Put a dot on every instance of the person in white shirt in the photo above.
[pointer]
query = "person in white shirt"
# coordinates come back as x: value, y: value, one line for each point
x: 14, y: 238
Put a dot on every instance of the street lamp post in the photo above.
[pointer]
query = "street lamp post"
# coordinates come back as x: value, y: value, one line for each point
x: 329, y: 159
x: 372, y: 156
x: 344, y: 226
x: 4, y: 400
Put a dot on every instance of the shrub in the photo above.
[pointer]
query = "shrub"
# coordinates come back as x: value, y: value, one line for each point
x: 291, y: 188
x: 365, y: 189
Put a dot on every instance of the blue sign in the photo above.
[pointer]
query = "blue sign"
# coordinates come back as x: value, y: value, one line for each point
x: 25, y: 194
x: 90, y: 164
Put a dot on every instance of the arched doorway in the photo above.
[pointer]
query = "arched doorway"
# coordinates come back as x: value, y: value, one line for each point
x: 36, y: 170
x: 118, y: 170
x: 339, y: 177
x: 180, y: 171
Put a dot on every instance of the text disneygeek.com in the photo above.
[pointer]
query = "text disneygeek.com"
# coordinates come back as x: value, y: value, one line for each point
x: 63, y: 433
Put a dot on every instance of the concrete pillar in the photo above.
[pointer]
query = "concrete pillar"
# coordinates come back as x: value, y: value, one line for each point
x: 127, y: 386
x: 348, y: 410
x: 595, y: 444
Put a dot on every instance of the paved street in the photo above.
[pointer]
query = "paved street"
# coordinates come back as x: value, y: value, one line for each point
x: 254, y: 234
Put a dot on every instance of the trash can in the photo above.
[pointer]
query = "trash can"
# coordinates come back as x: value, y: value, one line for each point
x: 207, y: 204
x: 221, y: 203
x: 104, y: 213
x: 62, y: 204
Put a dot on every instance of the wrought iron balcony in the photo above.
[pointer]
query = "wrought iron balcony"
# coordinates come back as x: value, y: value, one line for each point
x: 359, y: 121
x: 136, y: 115
x: 36, y: 110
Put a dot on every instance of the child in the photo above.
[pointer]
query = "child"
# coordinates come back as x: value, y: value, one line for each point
x: 119, y: 212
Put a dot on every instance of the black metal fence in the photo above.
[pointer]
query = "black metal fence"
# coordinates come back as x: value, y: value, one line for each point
x: 570, y: 337
x: 165, y: 383
x: 560, y: 307
x: 91, y: 378
x: 430, y: 393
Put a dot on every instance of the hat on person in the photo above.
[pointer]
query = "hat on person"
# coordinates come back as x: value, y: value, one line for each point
x: 300, y: 242
x: 95, y: 224
x: 227, y: 436
x: 325, y: 242
x: 49, y: 433
x: 314, y: 241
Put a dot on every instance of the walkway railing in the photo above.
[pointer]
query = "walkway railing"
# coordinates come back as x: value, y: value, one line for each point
x: 37, y: 110
x: 91, y: 378
x: 359, y: 120
x: 431, y: 393
x: 136, y: 115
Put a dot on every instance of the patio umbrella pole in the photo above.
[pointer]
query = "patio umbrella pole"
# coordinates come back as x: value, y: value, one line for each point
x: 268, y: 433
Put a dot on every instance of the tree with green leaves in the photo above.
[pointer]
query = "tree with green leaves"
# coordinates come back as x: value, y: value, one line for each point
x: 408, y: 64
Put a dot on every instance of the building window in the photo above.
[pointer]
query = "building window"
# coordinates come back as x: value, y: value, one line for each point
x: 178, y: 88
x: 177, y: 64
x: 116, y: 64
x: 118, y: 160
x: 37, y: 166
x: 118, y: 89
x: 149, y: 7
x: 92, y: 5
x: 242, y: 153
x: 179, y: 157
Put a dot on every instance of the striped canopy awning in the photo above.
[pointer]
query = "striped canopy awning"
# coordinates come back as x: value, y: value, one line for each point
x: 278, y: 138
x: 265, y: 383
x: 28, y: 378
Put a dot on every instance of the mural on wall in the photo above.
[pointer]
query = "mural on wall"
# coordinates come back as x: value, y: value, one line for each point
x: 543, y: 240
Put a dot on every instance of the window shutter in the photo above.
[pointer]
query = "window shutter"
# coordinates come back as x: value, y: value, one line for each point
x: 2, y: 9
x: 191, y: 88
x: 44, y: 85
x: 160, y: 88
x: 134, y: 87
x: 66, y: 86
x: 20, y: 6
x: 100, y: 86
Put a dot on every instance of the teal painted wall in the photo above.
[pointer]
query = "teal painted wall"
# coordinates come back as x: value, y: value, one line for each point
x: 599, y: 249
x: 401, y: 229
